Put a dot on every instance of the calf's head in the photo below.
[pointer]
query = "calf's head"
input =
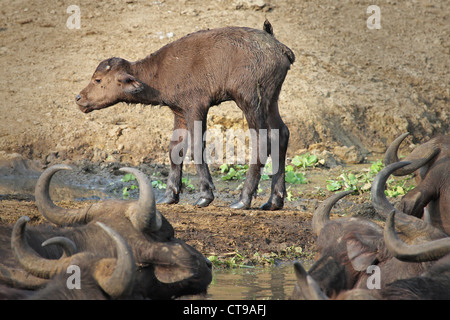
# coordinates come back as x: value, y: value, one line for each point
x: 111, y: 83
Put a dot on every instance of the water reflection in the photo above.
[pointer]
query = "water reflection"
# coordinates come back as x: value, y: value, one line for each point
x: 274, y: 283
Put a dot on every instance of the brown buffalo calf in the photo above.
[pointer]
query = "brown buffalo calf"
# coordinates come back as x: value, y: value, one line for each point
x: 194, y: 73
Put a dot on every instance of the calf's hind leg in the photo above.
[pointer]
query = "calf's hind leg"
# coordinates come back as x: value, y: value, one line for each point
x: 278, y: 143
x: 257, y: 125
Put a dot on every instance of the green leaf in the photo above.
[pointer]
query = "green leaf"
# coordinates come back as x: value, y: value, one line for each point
x: 224, y: 168
x: 158, y: 184
x: 376, y: 167
x: 128, y: 177
x: 289, y: 168
x: 295, y: 177
x: 333, y: 185
x: 230, y: 175
x: 305, y: 160
x: 235, y: 173
x: 288, y: 195
x: 125, y: 193
x: 186, y: 182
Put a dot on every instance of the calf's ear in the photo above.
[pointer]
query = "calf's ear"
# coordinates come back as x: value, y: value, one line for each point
x: 129, y: 83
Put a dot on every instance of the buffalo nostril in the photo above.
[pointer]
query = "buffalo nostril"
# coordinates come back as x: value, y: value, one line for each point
x: 78, y: 97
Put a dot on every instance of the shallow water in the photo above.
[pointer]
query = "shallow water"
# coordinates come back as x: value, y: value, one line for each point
x: 271, y: 283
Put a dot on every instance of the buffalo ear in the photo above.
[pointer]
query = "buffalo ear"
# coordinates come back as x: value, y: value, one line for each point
x: 362, y: 252
x: 129, y: 83
x: 413, y: 203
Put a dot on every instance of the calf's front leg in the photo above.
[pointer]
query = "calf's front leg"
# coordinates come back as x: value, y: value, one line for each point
x: 177, y: 151
x: 197, y: 129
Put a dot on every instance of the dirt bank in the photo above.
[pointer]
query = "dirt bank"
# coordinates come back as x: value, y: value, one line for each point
x: 350, y: 86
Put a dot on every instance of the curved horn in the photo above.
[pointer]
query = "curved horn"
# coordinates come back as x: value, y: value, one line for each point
x: 379, y: 200
x: 390, y: 155
x: 20, y: 279
x: 315, y: 290
x: 410, y: 225
x: 121, y: 280
x: 69, y: 247
x: 115, y: 284
x: 57, y: 215
x: 29, y: 259
x: 426, y: 155
x: 322, y: 214
x: 429, y: 251
x: 145, y: 217
x: 300, y: 274
x: 307, y: 285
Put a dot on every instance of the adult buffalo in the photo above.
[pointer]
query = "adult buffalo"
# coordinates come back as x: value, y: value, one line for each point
x: 166, y: 267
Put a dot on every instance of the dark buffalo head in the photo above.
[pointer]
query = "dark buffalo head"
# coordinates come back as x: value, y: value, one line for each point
x: 430, y: 163
x: 432, y: 284
x: 346, y: 247
x: 427, y: 251
x: 166, y: 267
x: 99, y: 276
x: 421, y: 158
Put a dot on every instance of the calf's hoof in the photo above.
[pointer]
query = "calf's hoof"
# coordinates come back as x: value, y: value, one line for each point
x: 272, y: 206
x: 168, y: 200
x: 240, y: 205
x: 203, y: 202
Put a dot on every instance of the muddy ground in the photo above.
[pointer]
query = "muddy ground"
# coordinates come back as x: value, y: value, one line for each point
x: 351, y: 91
x: 250, y: 237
